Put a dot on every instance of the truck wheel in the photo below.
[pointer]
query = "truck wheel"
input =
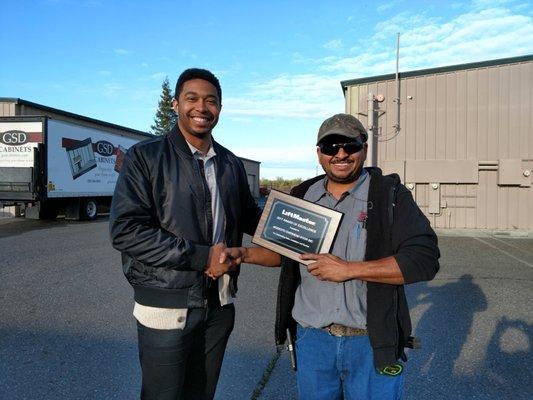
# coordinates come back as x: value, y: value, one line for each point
x: 89, y: 210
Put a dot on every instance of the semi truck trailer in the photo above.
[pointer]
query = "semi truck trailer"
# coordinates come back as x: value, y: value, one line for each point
x: 50, y: 166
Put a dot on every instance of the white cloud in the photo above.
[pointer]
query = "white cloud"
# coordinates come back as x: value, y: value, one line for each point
x: 335, y: 44
x: 297, y: 58
x: 488, y: 3
x: 122, y: 52
x: 475, y: 35
x: 301, y: 96
x: 373, y: 63
x: 159, y: 75
x: 522, y: 6
x: 112, y: 90
x: 386, y: 6
x: 188, y: 55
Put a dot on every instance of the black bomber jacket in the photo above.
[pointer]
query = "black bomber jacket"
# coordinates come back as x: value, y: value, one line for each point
x: 158, y: 219
x: 397, y: 227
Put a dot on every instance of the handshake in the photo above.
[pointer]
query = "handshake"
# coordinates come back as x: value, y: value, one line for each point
x: 324, y: 267
x: 223, y: 259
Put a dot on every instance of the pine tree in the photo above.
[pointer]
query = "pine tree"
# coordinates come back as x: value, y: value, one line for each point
x: 165, y: 117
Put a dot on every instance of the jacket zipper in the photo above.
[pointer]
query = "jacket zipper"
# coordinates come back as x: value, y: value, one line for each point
x: 205, y: 285
x: 209, y: 236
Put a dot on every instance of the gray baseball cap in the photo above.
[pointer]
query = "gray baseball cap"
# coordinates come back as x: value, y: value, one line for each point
x: 342, y: 124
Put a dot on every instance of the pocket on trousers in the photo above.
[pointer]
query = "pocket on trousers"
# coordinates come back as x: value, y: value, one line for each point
x: 160, y: 318
x: 301, y: 333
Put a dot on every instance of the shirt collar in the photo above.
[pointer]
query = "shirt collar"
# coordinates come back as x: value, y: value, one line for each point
x: 362, y: 178
x: 198, y: 154
x: 317, y: 191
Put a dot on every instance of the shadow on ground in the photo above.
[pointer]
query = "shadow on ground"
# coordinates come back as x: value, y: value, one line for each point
x: 438, y: 370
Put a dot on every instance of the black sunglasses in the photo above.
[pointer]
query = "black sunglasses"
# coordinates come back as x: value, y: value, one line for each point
x: 330, y: 149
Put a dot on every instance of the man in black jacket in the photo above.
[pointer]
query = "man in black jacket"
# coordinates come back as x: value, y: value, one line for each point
x: 348, y: 309
x: 179, y: 200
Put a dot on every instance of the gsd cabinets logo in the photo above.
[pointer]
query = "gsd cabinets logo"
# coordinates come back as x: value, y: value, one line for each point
x: 104, y: 148
x: 14, y: 138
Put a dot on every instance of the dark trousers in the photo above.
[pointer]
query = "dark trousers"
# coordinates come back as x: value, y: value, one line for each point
x: 185, y: 363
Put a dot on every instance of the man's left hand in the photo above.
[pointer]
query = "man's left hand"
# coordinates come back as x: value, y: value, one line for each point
x: 328, y: 267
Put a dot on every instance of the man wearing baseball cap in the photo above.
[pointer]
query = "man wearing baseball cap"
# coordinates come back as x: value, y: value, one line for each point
x: 347, y: 309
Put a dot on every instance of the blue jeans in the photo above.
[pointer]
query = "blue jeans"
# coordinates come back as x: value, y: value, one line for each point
x: 331, y: 367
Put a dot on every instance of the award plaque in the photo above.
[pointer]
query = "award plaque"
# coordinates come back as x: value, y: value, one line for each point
x: 291, y: 226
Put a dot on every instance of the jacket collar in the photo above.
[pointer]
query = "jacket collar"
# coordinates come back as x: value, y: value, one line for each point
x: 178, y: 141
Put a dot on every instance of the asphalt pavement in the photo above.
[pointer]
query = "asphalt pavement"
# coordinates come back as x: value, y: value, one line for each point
x: 66, y: 329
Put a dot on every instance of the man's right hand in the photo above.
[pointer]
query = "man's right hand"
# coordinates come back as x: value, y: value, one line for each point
x: 218, y: 263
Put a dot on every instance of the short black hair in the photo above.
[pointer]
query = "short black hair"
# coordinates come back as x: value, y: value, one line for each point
x: 197, y: 73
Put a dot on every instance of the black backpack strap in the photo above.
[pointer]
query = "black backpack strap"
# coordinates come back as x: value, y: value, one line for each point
x: 393, y: 191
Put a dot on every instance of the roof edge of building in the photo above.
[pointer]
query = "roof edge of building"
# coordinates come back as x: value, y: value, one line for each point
x: 249, y: 159
x: 71, y: 115
x: 437, y: 70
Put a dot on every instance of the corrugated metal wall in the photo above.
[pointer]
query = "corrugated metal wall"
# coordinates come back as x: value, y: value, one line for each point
x: 7, y: 109
x: 483, y: 115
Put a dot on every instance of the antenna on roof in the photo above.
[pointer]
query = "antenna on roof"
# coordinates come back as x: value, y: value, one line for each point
x: 396, y: 126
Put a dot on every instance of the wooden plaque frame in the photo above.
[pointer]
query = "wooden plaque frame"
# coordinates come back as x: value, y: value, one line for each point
x: 291, y: 226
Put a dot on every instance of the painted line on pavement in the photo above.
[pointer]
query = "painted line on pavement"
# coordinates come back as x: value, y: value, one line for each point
x: 512, y: 245
x: 504, y: 252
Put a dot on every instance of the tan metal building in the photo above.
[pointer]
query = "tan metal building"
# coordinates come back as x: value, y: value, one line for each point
x: 460, y: 137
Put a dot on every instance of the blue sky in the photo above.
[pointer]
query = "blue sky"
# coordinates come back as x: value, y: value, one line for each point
x: 280, y: 63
